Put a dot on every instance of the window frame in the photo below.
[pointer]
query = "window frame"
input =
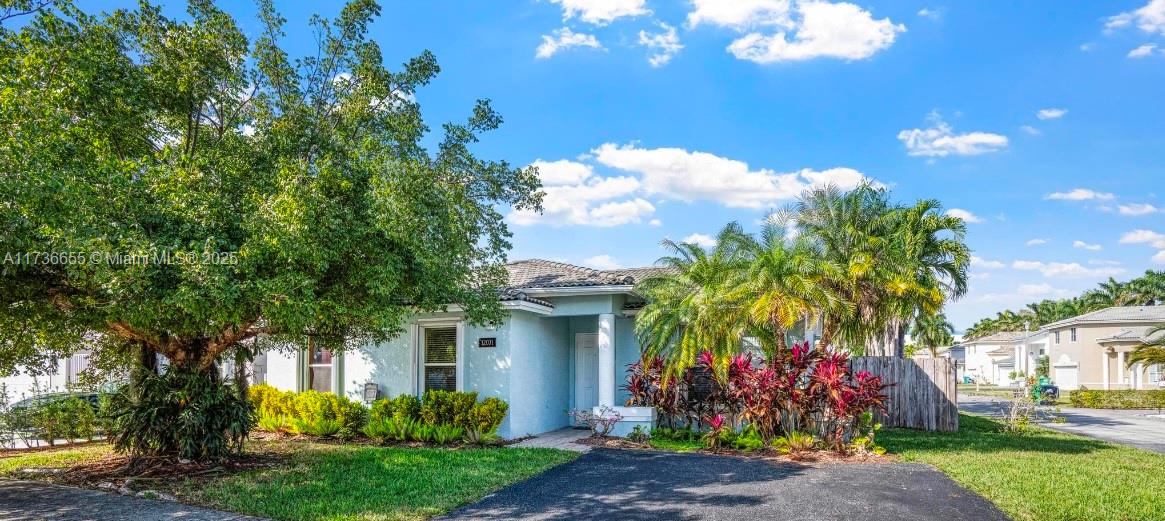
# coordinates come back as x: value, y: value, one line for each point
x: 1072, y: 336
x: 458, y: 354
x: 306, y: 365
x: 1057, y: 338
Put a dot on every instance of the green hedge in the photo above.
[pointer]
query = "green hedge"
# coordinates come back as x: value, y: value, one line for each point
x: 1123, y: 399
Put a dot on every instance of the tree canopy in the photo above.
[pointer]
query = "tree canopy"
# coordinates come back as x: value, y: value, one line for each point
x: 1146, y: 290
x: 171, y: 185
x: 852, y: 262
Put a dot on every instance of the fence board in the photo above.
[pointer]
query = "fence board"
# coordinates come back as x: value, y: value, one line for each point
x: 923, y: 396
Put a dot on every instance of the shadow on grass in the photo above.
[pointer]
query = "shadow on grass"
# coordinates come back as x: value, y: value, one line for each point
x: 978, y: 434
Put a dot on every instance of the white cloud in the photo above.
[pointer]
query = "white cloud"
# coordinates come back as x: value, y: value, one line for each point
x: 655, y: 222
x: 601, y: 12
x: 602, y: 262
x: 1039, y: 290
x: 1030, y: 130
x: 819, y: 29
x: 1065, y: 269
x: 1037, y: 242
x: 1087, y: 47
x: 964, y: 215
x: 1051, y: 113
x: 980, y: 262
x: 701, y: 240
x: 562, y: 172
x: 665, y: 45
x: 562, y: 39
x: 1152, y: 238
x: 741, y: 14
x: 1026, y: 292
x: 1142, y: 51
x: 1150, y: 18
x: 677, y: 173
x: 927, y: 12
x: 940, y: 140
x: 574, y: 196
x: 1081, y: 245
x: 1136, y: 209
x: 1104, y: 262
x: 1159, y: 258
x: 1080, y: 194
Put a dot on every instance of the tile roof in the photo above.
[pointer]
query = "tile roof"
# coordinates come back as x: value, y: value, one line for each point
x: 1144, y: 314
x: 539, y: 273
x: 510, y: 294
x: 1001, y: 337
x: 639, y: 274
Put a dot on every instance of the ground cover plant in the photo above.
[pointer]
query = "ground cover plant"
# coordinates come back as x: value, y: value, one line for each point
x: 1041, y: 474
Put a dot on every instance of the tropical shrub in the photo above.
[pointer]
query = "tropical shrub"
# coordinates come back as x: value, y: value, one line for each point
x: 447, y: 407
x: 310, y: 412
x: 601, y: 424
x: 188, y: 414
x: 717, y: 428
x: 748, y: 440
x: 796, y: 390
x: 405, y: 406
x: 1122, y: 399
x: 795, y: 443
x: 638, y: 435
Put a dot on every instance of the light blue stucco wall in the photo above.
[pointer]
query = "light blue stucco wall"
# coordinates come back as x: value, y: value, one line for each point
x: 538, y: 379
x: 486, y: 369
x: 387, y: 364
x: 626, y: 353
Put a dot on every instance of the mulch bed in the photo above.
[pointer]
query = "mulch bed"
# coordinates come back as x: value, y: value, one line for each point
x: 815, y: 457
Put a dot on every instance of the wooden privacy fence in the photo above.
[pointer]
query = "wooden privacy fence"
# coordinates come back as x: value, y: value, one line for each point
x: 923, y: 395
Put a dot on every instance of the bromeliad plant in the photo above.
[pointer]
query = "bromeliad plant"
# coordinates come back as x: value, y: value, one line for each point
x: 797, y: 390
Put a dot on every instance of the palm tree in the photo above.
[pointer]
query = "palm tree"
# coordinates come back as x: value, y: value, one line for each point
x: 851, y: 230
x: 1152, y: 352
x: 688, y: 307
x: 785, y: 283
x: 932, y: 332
x: 933, y: 261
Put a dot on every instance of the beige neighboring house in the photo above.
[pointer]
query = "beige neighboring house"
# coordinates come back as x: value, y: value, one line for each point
x: 1089, y: 351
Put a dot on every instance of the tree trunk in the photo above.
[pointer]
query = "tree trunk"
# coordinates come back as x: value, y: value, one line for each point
x: 243, y: 356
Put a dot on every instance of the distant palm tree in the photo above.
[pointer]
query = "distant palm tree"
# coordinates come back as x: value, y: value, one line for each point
x: 1152, y: 352
x: 932, y: 332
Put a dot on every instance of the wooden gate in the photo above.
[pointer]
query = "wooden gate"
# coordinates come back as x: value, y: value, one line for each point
x: 923, y: 395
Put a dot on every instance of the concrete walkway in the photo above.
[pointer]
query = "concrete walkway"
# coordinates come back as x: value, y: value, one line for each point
x: 1136, y: 428
x: 562, y: 439
x: 29, y: 501
x: 610, y: 484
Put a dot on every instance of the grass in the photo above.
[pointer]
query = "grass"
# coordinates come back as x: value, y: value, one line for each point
x: 344, y: 482
x: 676, y: 445
x: 53, y: 458
x: 1043, y: 475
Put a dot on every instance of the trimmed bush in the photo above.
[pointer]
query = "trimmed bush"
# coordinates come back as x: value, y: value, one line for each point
x: 310, y: 412
x: 403, y: 407
x: 447, y: 408
x: 1122, y: 399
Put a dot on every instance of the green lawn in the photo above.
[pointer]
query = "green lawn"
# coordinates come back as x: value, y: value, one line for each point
x: 55, y: 458
x: 677, y: 445
x: 345, y: 482
x: 1044, y: 475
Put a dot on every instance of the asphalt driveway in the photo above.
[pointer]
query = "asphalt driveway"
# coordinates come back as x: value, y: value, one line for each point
x: 1144, y: 429
x: 621, y: 484
x: 35, y: 501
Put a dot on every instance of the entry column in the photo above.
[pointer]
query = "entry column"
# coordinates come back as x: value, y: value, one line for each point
x: 606, y: 346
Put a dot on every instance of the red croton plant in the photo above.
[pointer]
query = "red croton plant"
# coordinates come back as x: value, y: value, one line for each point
x: 798, y: 390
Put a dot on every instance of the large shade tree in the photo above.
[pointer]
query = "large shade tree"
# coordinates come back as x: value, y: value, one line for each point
x: 171, y: 187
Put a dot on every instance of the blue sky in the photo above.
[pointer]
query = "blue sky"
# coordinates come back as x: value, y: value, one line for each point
x: 1042, y: 120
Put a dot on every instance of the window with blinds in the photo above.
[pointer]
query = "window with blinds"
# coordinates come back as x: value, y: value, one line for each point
x: 440, y: 358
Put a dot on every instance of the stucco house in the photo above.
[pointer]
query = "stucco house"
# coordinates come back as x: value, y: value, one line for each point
x: 65, y: 374
x: 1090, y: 350
x: 993, y: 358
x: 566, y: 345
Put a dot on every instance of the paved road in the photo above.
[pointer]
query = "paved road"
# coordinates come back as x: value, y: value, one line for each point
x: 28, y: 501
x: 1136, y: 428
x: 609, y: 484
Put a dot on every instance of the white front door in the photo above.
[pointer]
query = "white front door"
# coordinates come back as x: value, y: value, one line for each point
x: 586, y: 371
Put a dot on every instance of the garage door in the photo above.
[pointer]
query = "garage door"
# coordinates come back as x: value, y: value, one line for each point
x: 1067, y: 378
